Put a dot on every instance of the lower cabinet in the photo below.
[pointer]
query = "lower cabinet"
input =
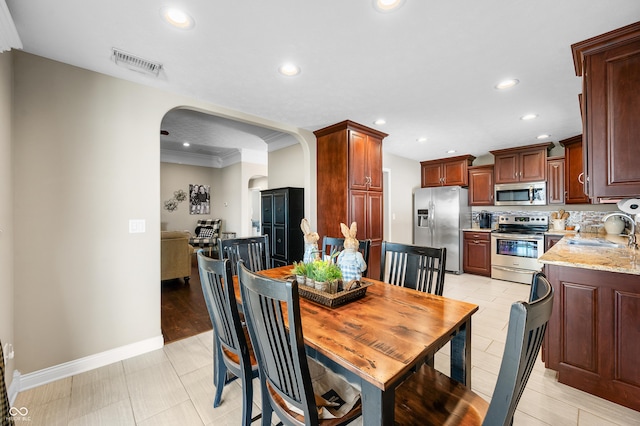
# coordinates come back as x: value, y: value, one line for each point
x: 551, y: 240
x: 477, y: 253
x: 593, y: 337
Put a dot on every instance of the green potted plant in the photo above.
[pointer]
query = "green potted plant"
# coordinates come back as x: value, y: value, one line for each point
x: 300, y: 271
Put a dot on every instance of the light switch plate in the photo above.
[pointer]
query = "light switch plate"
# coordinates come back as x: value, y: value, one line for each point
x: 136, y: 226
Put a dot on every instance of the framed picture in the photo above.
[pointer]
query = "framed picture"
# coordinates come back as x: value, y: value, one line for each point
x: 199, y: 199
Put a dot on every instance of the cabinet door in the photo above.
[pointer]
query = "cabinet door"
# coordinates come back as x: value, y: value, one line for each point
x: 431, y: 175
x: 481, y: 186
x: 550, y: 241
x: 612, y: 126
x: 279, y: 243
x: 280, y: 208
x: 267, y: 209
x: 455, y: 173
x: 505, y: 169
x: 555, y: 181
x: 533, y: 165
x: 477, y: 254
x: 358, y: 178
x: 574, y: 174
x: 374, y: 163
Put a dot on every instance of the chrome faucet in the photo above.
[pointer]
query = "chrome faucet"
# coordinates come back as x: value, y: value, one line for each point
x: 632, y: 223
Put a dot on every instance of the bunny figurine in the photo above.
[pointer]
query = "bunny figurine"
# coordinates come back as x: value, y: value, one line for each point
x: 350, y: 260
x: 310, y: 242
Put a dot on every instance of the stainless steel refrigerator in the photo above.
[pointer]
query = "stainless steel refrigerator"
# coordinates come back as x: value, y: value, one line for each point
x: 440, y: 215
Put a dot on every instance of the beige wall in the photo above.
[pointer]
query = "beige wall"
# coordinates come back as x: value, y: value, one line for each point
x: 404, y: 178
x: 285, y: 167
x: 6, y: 212
x: 178, y: 176
x: 86, y: 161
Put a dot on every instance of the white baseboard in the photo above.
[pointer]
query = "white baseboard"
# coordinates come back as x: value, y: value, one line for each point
x: 14, y: 388
x: 31, y: 380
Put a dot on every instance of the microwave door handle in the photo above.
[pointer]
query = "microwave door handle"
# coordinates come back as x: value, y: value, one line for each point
x: 531, y: 194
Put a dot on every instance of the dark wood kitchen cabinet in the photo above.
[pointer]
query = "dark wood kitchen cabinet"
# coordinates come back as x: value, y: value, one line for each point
x: 477, y: 253
x: 349, y: 181
x: 574, y: 171
x: 593, y: 338
x: 555, y: 180
x: 551, y: 240
x: 446, y: 171
x: 610, y: 68
x: 522, y: 164
x: 282, y: 212
x: 481, y: 185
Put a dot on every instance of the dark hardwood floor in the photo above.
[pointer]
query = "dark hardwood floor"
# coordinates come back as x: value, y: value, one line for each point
x: 184, y: 312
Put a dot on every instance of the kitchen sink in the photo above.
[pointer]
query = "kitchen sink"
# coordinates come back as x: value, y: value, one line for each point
x: 594, y: 242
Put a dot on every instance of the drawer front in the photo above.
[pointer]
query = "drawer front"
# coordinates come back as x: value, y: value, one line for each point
x: 481, y: 236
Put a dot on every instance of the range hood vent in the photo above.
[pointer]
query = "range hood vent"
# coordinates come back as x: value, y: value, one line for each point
x: 136, y: 63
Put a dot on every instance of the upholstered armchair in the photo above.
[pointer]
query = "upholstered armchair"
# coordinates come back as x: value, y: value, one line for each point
x: 175, y: 255
x: 206, y: 235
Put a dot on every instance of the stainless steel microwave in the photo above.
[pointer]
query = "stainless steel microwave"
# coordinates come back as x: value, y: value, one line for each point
x: 521, y: 194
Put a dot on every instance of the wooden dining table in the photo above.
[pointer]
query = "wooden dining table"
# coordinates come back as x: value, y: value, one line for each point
x: 377, y: 340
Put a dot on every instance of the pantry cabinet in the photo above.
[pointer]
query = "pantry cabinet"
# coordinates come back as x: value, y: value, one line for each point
x: 349, y: 181
x: 446, y: 171
x: 609, y: 65
x: 282, y: 212
x: 481, y: 185
x: 522, y: 164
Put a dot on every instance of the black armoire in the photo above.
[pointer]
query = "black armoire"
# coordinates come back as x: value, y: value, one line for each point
x: 282, y: 212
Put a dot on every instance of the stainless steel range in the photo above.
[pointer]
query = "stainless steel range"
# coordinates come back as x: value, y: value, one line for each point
x: 516, y: 246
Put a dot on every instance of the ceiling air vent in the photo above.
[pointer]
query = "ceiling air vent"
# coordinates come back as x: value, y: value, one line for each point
x: 136, y: 63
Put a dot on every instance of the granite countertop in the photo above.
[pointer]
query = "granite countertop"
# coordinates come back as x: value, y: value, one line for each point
x: 611, y: 259
x: 477, y: 229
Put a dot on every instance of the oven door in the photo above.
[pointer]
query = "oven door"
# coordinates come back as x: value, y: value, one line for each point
x: 514, y: 257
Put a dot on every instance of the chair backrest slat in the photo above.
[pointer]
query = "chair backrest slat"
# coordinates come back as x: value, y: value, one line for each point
x: 253, y: 251
x: 527, y: 326
x: 278, y: 344
x: 416, y: 267
x: 332, y: 245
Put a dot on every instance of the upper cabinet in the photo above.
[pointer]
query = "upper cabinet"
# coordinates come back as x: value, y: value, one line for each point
x: 481, y: 185
x: 610, y: 68
x: 523, y: 164
x: 365, y: 161
x: 555, y: 180
x: 446, y: 171
x: 573, y: 171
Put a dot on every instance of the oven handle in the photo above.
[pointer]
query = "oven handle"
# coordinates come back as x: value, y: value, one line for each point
x: 518, y: 271
x: 523, y: 237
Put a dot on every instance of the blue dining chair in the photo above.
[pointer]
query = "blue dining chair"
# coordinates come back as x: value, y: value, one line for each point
x: 417, y: 267
x: 253, y: 251
x: 232, y: 348
x: 432, y: 398
x: 279, y: 348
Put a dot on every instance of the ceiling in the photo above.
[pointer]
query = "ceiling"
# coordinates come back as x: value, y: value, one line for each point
x: 429, y: 68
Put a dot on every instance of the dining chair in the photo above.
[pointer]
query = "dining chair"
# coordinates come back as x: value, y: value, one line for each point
x: 331, y: 245
x: 233, y: 352
x: 416, y: 267
x: 436, y: 399
x: 279, y: 348
x: 253, y: 251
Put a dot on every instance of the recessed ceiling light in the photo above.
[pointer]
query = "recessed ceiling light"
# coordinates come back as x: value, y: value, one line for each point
x: 186, y: 144
x: 507, y: 84
x: 451, y: 151
x: 387, y: 5
x: 380, y: 122
x: 543, y: 136
x: 177, y: 18
x: 422, y: 139
x: 289, y: 69
x: 529, y: 117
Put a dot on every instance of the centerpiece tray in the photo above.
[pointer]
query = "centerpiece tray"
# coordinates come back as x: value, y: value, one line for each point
x: 335, y: 299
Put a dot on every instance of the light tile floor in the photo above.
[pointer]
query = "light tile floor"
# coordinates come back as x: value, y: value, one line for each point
x: 174, y: 386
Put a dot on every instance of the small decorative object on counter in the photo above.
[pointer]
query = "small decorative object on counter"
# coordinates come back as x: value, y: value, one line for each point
x: 559, y: 219
x: 614, y: 225
x: 350, y: 260
x: 311, y: 252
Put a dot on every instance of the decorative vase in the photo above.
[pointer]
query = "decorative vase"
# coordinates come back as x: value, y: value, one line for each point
x: 614, y: 225
x: 301, y: 279
x: 322, y: 286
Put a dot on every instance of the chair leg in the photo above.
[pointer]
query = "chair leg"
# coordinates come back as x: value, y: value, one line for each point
x: 219, y: 376
x: 247, y: 400
x: 267, y: 410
